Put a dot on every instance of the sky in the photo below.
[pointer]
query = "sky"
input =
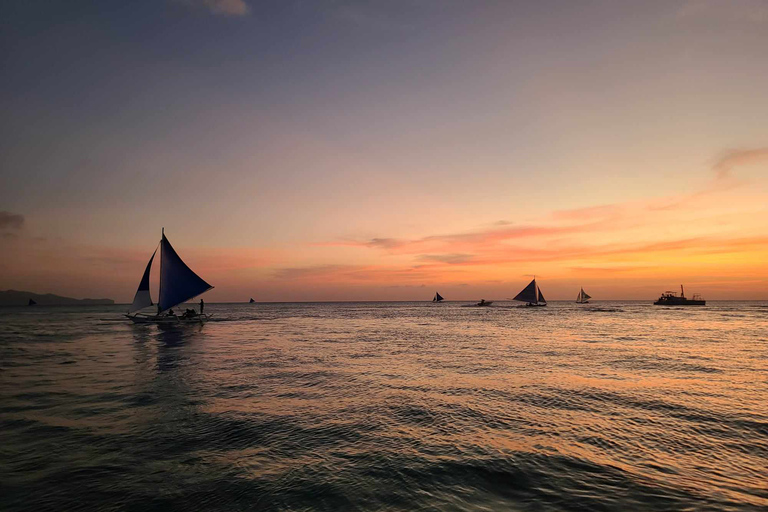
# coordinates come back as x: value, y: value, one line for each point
x: 383, y: 150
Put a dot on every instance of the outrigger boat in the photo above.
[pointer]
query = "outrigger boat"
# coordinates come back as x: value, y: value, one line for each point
x: 532, y: 295
x: 178, y: 284
x: 583, y: 298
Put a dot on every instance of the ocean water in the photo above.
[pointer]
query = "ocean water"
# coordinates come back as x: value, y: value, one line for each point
x: 387, y: 406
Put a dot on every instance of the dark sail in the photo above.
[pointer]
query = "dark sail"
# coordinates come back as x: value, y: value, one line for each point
x: 528, y: 294
x: 142, y: 298
x: 437, y: 298
x: 541, y: 296
x: 178, y: 283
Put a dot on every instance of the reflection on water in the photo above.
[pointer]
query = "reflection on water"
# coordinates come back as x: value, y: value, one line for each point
x: 617, y: 406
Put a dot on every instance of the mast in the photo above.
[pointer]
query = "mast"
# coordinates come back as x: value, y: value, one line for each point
x: 682, y: 291
x: 160, y: 290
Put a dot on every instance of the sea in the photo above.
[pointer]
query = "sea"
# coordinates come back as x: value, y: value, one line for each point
x: 605, y: 406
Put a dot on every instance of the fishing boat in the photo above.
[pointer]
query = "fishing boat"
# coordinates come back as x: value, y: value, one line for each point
x: 672, y: 299
x: 532, y: 295
x: 438, y: 298
x: 251, y: 301
x: 583, y: 298
x: 178, y: 284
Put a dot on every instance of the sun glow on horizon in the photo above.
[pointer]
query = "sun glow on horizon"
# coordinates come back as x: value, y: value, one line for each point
x: 303, y: 154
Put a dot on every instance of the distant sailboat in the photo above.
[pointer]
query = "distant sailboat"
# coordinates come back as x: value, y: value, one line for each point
x: 583, y: 298
x: 178, y: 284
x: 532, y: 295
x: 251, y: 301
x: 438, y: 298
x: 31, y: 303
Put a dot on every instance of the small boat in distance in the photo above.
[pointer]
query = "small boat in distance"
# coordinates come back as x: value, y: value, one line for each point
x: 251, y: 301
x: 483, y: 303
x: 178, y: 284
x: 31, y: 303
x: 438, y: 298
x: 532, y: 295
x: 583, y: 298
x: 672, y: 299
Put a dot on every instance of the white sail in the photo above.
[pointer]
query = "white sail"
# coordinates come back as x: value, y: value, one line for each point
x: 143, y: 299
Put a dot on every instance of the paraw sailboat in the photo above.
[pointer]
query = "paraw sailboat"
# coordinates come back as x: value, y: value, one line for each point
x: 532, y: 295
x: 583, y: 298
x: 178, y: 284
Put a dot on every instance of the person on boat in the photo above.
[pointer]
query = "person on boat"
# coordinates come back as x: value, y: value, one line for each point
x: 171, y: 313
x: 158, y: 310
x: 202, y: 306
x: 482, y: 302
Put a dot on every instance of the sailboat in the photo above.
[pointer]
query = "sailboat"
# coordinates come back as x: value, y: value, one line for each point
x: 532, y: 295
x: 251, y: 301
x: 438, y: 298
x: 583, y: 298
x: 178, y: 284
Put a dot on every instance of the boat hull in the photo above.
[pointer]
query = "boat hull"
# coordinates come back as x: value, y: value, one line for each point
x: 677, y: 301
x: 169, y: 320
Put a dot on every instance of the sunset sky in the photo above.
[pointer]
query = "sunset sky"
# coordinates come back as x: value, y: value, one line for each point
x: 383, y: 150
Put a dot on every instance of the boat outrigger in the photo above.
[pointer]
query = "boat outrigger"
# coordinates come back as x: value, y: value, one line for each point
x: 532, y: 295
x: 583, y: 298
x: 178, y: 284
x: 672, y: 299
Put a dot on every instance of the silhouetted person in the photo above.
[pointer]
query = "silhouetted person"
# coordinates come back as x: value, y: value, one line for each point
x: 171, y: 313
x: 202, y: 306
x: 482, y: 301
x: 158, y: 310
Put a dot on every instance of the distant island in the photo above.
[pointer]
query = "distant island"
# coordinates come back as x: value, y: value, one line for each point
x: 19, y: 298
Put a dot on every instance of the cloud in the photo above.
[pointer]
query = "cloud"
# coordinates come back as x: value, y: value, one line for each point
x: 752, y: 11
x: 450, y: 245
x: 451, y: 259
x: 736, y: 157
x: 589, y: 212
x: 220, y: 7
x: 385, y: 243
x: 609, y: 270
x: 312, y: 271
x: 10, y: 220
x: 371, y: 17
x: 228, y: 7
